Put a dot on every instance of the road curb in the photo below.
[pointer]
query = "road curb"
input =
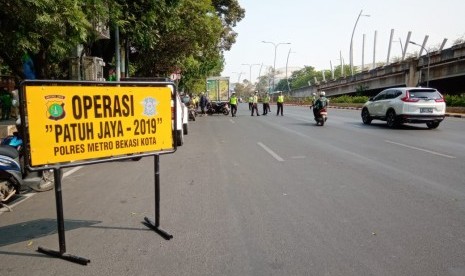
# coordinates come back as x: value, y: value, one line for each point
x: 453, y: 115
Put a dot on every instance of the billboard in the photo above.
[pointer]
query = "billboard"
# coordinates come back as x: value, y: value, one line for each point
x: 69, y: 122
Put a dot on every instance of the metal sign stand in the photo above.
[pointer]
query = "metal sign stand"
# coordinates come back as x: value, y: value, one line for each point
x: 61, y: 227
x: 155, y: 226
x: 31, y: 105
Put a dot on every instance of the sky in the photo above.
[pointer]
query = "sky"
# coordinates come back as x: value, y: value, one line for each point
x: 319, y: 31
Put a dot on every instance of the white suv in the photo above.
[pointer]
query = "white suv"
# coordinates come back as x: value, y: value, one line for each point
x: 406, y: 105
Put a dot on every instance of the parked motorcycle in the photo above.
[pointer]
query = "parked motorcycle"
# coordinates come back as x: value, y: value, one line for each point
x: 218, y: 108
x: 321, y: 116
x: 14, y: 177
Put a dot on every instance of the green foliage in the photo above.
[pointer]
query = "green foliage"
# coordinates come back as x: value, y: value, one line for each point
x: 455, y: 100
x: 301, y: 77
x: 349, y: 99
x: 281, y: 85
x: 164, y: 36
x: 451, y: 100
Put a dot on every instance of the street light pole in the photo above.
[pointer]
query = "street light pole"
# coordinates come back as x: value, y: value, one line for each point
x: 427, y: 70
x: 274, y: 62
x: 239, y: 76
x: 351, y: 54
x: 250, y: 70
x: 287, y: 61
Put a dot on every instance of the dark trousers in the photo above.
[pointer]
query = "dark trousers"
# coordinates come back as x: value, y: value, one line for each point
x: 233, y: 109
x: 250, y: 106
x: 280, y: 109
x: 6, y: 110
x: 266, y: 107
x: 255, y: 108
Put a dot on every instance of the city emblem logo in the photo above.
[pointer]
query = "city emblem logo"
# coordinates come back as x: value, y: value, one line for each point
x: 150, y: 106
x: 55, y: 107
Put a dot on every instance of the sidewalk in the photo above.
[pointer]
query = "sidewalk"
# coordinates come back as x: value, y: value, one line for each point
x: 448, y: 114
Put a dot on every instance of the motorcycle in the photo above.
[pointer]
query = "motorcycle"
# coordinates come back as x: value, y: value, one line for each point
x: 321, y: 116
x: 218, y: 108
x: 14, y: 177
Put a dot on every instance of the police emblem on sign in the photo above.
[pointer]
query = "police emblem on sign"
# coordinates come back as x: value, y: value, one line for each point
x: 55, y: 107
x: 150, y: 106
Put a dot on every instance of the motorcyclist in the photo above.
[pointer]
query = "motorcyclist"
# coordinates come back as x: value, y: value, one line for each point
x: 319, y: 104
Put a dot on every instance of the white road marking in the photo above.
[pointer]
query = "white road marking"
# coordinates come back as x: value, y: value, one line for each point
x: 232, y: 121
x: 16, y: 202
x: 272, y: 153
x: 72, y: 171
x: 298, y: 157
x: 420, y: 149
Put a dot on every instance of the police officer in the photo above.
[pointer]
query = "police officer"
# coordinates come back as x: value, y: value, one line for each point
x: 233, y: 104
x: 266, y: 104
x: 280, y: 103
x: 255, y: 104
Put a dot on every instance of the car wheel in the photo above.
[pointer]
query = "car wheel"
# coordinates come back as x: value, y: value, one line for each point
x: 391, y: 119
x: 432, y: 125
x: 185, y: 129
x: 179, y: 138
x: 366, y: 118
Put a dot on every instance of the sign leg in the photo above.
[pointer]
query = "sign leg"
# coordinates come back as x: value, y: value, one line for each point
x: 61, y: 227
x: 155, y: 226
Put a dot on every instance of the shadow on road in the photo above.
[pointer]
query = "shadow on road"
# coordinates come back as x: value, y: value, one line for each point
x: 25, y: 231
x: 382, y: 125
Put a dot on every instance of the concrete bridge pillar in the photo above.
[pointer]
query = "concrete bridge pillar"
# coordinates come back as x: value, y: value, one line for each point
x: 413, y: 76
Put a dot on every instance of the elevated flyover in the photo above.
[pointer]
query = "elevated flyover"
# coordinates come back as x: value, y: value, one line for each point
x: 446, y: 73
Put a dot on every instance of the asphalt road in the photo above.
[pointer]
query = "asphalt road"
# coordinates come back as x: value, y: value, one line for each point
x: 268, y: 195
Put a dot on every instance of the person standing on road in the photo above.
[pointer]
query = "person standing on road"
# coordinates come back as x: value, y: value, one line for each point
x: 280, y: 103
x: 233, y: 104
x: 250, y: 102
x: 266, y: 104
x: 255, y: 104
x: 203, y: 103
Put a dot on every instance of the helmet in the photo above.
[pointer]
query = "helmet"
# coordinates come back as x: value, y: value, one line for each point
x: 322, y: 93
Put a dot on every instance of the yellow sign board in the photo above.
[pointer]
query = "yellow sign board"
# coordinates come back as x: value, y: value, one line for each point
x: 75, y: 123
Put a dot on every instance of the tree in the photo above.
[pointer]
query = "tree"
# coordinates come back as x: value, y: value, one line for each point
x: 230, y: 13
x: 300, y: 78
x: 47, y: 30
x: 162, y: 36
x: 264, y: 82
